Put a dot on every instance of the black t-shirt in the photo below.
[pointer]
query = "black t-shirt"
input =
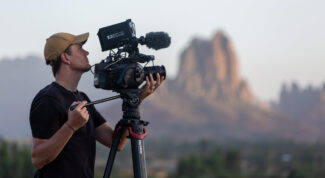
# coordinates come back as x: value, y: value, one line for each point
x: 49, y: 111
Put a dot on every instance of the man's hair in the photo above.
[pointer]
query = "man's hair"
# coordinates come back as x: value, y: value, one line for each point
x: 57, y: 63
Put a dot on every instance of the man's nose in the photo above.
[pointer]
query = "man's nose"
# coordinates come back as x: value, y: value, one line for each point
x: 87, y: 53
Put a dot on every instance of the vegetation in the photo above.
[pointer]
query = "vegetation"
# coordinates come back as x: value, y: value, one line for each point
x: 15, y: 161
x: 204, y: 159
x: 256, y: 160
x: 217, y: 164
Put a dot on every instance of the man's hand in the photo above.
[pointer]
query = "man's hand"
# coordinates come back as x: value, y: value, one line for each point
x: 79, y: 116
x: 151, y: 85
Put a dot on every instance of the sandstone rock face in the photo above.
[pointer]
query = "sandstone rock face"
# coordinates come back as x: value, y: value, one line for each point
x: 210, y: 69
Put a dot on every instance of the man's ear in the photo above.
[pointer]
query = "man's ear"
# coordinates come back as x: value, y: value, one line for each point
x: 65, y: 58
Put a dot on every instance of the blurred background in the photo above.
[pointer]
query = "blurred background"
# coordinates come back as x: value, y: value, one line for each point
x: 244, y: 95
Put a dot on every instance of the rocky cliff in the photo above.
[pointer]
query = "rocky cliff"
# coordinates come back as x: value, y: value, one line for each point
x: 296, y: 101
x: 209, y: 69
x: 304, y: 105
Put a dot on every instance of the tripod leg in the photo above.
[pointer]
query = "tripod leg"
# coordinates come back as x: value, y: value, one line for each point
x: 137, y: 134
x: 112, y: 153
x: 138, y: 157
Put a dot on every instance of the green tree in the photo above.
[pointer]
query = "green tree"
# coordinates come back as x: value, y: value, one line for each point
x: 15, y: 161
x: 301, y: 172
x: 218, y: 164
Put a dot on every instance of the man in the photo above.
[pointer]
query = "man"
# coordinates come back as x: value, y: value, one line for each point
x: 64, y: 140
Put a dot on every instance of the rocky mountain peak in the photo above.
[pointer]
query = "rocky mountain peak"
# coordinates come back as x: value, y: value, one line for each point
x: 209, y: 68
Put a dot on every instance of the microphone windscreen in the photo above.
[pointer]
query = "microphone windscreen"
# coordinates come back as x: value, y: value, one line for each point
x: 157, y: 40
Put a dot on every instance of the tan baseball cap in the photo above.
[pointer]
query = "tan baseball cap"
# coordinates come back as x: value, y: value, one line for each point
x: 59, y: 42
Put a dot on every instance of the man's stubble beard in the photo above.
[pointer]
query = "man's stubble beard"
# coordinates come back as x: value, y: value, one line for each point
x: 82, y: 69
x: 86, y: 69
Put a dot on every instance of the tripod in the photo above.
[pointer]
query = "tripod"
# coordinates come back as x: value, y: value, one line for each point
x: 130, y: 121
x: 137, y: 133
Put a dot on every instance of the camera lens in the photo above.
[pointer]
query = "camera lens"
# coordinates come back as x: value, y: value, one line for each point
x: 154, y: 70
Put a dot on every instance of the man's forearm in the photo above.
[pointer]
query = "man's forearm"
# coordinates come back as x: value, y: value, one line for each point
x: 45, y: 151
x: 123, y: 140
x: 104, y: 134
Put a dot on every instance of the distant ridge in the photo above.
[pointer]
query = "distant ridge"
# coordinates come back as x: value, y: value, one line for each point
x: 21, y: 79
x: 305, y: 105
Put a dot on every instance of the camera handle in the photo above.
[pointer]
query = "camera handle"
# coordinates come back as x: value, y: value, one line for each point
x: 137, y: 133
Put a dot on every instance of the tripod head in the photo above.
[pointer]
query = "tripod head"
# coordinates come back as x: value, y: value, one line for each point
x: 131, y: 102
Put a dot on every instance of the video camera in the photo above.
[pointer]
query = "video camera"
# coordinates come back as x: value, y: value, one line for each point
x: 121, y: 69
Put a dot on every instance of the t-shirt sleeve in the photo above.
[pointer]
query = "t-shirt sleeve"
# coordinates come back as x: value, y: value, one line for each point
x: 44, y: 118
x: 98, y: 118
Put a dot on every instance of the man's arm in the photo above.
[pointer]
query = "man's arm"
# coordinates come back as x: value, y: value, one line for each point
x: 45, y: 151
x: 104, y: 134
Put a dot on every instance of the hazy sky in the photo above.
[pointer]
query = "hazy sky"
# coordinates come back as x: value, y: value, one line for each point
x: 276, y: 41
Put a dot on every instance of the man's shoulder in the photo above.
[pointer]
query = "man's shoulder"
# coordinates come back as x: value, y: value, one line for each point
x: 49, y: 92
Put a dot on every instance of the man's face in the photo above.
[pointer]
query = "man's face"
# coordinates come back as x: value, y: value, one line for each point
x: 78, y: 58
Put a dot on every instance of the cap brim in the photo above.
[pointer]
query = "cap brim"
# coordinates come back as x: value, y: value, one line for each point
x: 81, y: 38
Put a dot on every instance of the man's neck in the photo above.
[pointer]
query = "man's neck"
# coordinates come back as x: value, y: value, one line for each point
x: 68, y: 80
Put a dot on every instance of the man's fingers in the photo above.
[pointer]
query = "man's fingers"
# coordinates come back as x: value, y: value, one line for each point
x: 158, y: 80
x: 147, y: 83
x: 75, y: 102
x: 84, y: 110
x: 74, y: 105
x: 151, y: 79
x: 152, y: 83
x: 85, y: 114
x: 82, y: 104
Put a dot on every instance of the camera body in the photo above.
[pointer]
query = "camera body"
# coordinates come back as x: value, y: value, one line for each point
x: 122, y: 69
x: 125, y: 75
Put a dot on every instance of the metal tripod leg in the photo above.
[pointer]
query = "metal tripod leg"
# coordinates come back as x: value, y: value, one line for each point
x: 138, y: 157
x: 112, y: 153
x: 137, y: 134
